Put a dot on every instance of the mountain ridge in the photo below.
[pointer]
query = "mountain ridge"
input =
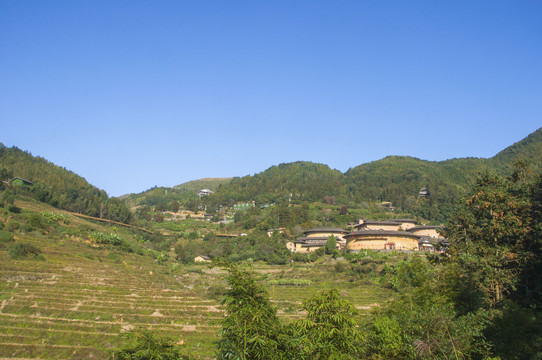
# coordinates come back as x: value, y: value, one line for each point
x: 394, y: 178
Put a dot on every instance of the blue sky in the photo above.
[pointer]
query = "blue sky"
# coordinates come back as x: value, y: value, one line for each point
x: 132, y: 94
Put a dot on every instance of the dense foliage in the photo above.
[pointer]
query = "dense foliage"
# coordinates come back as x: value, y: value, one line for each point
x: 252, y: 330
x: 145, y: 345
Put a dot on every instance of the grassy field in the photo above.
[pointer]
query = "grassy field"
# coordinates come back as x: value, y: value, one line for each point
x: 75, y: 300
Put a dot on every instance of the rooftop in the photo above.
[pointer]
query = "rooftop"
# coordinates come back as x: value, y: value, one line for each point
x: 325, y: 230
x: 381, y: 233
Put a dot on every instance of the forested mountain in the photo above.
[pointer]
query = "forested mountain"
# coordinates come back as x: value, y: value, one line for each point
x: 397, y: 179
x: 59, y: 187
x: 528, y: 149
x: 299, y: 181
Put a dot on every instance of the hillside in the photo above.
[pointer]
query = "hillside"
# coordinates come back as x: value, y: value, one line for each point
x: 528, y: 149
x: 74, y: 297
x: 59, y: 187
x: 171, y: 198
x: 299, y: 181
x: 207, y: 183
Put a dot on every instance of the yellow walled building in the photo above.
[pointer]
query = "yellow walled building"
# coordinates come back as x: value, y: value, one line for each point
x: 382, y: 240
x: 430, y: 231
x: 385, y: 225
x: 306, y: 245
x: 406, y: 224
x: 316, y: 238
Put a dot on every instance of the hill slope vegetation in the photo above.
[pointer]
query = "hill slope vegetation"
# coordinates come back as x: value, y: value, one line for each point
x: 58, y: 187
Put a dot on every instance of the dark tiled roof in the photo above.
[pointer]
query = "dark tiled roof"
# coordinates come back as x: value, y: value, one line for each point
x: 312, y: 238
x: 27, y: 182
x: 369, y: 233
x: 378, y: 222
x: 325, y: 230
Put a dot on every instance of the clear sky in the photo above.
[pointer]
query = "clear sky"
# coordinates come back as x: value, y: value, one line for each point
x: 132, y: 94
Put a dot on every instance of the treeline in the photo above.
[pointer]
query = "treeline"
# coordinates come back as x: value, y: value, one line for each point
x: 59, y: 187
x: 256, y: 246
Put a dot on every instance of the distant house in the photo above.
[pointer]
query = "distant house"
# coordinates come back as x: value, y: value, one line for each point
x: 271, y: 231
x: 205, y: 192
x: 316, y: 238
x: 244, y: 206
x: 424, y: 192
x: 20, y: 182
x: 202, y: 258
x: 430, y: 231
x: 385, y: 225
x: 395, y: 234
x: 382, y: 240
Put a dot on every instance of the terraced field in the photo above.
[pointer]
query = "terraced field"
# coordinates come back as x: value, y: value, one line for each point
x: 74, y: 307
x: 77, y: 302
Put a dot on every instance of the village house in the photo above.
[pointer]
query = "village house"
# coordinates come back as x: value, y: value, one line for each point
x: 430, y: 231
x: 202, y: 258
x: 382, y: 240
x: 386, y: 225
x: 271, y: 231
x: 314, y: 239
x: 18, y: 181
x: 205, y: 192
x: 396, y: 234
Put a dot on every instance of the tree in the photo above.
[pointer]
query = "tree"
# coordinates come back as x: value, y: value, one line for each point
x: 490, y: 237
x: 496, y: 261
x: 7, y: 198
x: 174, y: 205
x: 251, y: 329
x: 330, y: 330
x: 331, y: 244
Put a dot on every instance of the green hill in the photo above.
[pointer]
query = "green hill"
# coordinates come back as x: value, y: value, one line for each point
x: 299, y: 181
x: 396, y: 179
x: 59, y: 187
x: 170, y: 198
x: 528, y: 150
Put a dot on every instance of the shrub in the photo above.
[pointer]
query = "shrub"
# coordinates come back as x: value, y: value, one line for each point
x: 144, y: 344
x: 50, y: 217
x: 36, y: 221
x: 5, y: 236
x: 13, y: 225
x: 107, y: 239
x: 115, y: 257
x: 340, y: 267
x: 23, y: 250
